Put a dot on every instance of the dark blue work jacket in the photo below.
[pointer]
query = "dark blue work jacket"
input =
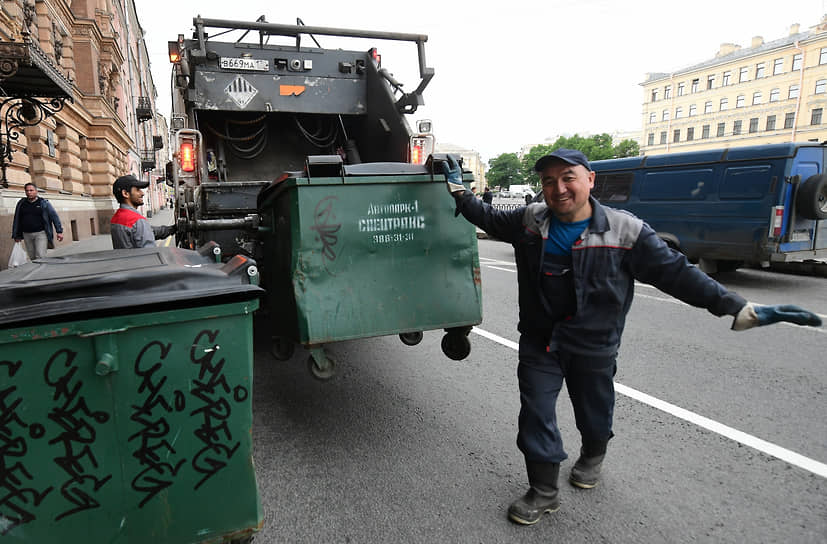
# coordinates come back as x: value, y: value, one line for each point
x: 615, y: 249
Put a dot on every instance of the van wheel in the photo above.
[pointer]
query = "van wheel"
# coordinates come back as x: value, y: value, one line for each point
x: 811, y: 198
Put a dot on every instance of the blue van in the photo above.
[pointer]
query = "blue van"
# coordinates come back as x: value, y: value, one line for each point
x: 727, y: 207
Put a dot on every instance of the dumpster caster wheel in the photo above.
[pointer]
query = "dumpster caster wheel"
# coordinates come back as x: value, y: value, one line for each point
x: 411, y: 338
x: 323, y: 369
x: 282, y: 348
x: 456, y: 346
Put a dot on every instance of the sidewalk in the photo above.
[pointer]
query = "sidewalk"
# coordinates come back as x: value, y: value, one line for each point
x: 103, y: 242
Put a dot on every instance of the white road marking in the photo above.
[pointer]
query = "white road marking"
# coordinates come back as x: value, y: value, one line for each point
x: 503, y: 269
x: 763, y: 446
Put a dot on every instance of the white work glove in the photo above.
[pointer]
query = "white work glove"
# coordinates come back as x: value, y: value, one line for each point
x: 754, y: 315
x: 453, y: 176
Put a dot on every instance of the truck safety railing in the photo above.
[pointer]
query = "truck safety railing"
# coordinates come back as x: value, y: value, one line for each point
x: 407, y: 103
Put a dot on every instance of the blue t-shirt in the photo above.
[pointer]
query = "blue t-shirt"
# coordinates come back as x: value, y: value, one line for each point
x: 561, y: 235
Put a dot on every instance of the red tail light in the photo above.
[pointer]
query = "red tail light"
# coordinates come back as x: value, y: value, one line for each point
x: 416, y: 154
x: 187, y: 155
x: 777, y: 221
x: 376, y: 56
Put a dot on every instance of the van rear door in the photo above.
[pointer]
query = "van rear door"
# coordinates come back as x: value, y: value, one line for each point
x: 804, y: 227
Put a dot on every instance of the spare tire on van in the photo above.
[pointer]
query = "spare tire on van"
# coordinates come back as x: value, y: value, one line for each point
x: 811, y: 197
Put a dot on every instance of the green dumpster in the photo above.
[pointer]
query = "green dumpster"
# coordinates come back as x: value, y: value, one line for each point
x: 125, y: 399
x: 367, y: 250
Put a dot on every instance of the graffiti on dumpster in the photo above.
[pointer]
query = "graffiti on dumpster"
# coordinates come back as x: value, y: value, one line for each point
x: 210, y: 388
x: 326, y: 229
x: 70, y: 428
x: 78, y: 438
x: 154, y: 450
x: 18, y: 500
x: 392, y: 223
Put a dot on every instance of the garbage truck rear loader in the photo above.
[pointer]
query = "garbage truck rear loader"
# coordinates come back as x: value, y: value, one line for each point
x: 263, y: 134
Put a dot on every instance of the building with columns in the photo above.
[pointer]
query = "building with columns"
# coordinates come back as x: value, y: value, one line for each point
x: 77, y: 110
x: 769, y: 92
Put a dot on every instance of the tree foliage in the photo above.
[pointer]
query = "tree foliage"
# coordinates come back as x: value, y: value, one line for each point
x: 597, y: 147
x: 503, y: 170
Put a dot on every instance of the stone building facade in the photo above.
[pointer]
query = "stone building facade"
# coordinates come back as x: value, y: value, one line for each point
x: 104, y: 128
x: 769, y: 92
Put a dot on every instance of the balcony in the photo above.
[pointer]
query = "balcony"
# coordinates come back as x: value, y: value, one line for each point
x: 144, y: 109
x: 147, y: 160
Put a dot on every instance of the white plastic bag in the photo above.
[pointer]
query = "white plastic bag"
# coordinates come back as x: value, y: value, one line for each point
x: 18, y: 255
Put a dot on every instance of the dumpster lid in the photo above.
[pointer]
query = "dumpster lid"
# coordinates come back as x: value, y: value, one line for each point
x: 119, y: 281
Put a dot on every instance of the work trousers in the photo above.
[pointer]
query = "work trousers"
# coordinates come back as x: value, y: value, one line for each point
x: 36, y: 244
x: 590, y: 384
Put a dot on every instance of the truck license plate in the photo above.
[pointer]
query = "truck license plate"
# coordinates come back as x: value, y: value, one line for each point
x: 234, y: 63
x: 800, y: 236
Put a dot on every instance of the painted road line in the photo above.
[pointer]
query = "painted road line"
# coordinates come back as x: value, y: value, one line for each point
x: 741, y: 437
x: 503, y: 269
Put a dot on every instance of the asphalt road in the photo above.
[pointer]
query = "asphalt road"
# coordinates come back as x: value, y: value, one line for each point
x: 720, y: 436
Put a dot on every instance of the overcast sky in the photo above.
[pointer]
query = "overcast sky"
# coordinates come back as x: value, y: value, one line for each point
x: 520, y: 71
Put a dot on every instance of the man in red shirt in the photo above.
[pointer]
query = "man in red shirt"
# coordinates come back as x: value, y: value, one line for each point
x: 130, y: 229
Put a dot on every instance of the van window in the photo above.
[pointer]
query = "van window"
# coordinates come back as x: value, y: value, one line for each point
x: 610, y: 188
x: 677, y: 185
x: 745, y: 182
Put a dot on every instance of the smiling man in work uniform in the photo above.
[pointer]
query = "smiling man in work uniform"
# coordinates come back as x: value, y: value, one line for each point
x: 130, y: 229
x: 577, y: 262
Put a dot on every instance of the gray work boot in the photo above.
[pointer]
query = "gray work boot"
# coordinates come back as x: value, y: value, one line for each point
x: 586, y: 470
x: 541, y: 496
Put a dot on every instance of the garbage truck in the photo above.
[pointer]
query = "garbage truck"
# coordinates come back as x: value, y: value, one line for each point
x: 301, y: 157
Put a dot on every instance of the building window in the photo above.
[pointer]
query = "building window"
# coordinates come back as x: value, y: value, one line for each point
x: 708, y: 107
x: 651, y: 138
x: 744, y: 74
x: 678, y: 112
x: 775, y: 95
x: 724, y: 104
x: 789, y: 119
x: 770, y: 122
x: 653, y: 117
x: 816, y: 117
x: 667, y: 92
x: 794, y: 91
x: 693, y: 110
x: 821, y: 86
x: 740, y: 101
x: 663, y: 137
x: 759, y: 70
x: 676, y: 137
x: 690, y: 134
x: 705, y: 132
x: 753, y: 125
x: 654, y: 95
x: 822, y: 58
x: 710, y: 82
x: 736, y: 128
x: 727, y: 77
x: 756, y: 98
x: 796, y: 62
x: 777, y: 67
x: 681, y: 88
x: 721, y: 129
x: 665, y: 115
x: 695, y: 83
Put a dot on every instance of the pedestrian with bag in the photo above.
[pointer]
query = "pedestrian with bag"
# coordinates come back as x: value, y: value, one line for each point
x: 577, y: 262
x: 128, y: 228
x: 36, y: 223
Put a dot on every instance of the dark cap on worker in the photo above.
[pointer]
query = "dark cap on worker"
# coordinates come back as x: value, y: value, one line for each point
x: 570, y: 156
x: 126, y: 183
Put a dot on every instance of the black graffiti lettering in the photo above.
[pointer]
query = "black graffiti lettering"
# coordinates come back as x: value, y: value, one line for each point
x: 10, y: 505
x: 211, y: 389
x: 153, y: 445
x: 72, y: 414
x: 240, y: 393
x: 17, y: 502
x: 209, y: 465
x: 74, y: 493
